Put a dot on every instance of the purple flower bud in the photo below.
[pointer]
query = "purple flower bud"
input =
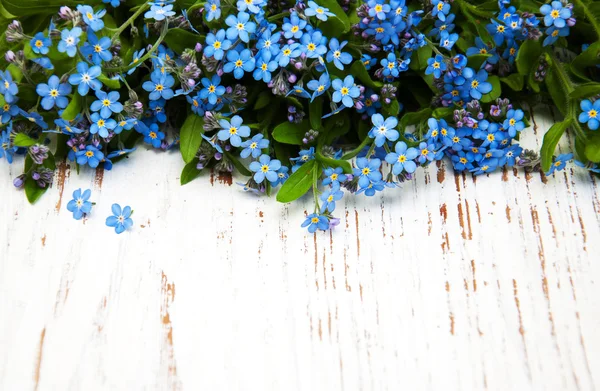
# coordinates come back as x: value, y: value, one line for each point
x: 334, y: 222
x: 388, y: 101
x: 292, y: 78
x: 65, y: 12
x: 218, y: 156
x: 374, y: 98
x: 227, y: 147
x: 298, y: 65
x: 35, y: 175
x: 571, y: 22
x: 10, y: 56
x: 191, y: 82
x: 305, y: 140
x: 229, y: 90
x: 19, y: 181
x: 220, y: 72
x: 198, y: 47
x: 358, y: 105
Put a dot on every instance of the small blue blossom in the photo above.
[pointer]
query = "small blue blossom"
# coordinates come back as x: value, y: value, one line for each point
x: 69, y: 40
x: 440, y: 9
x: 334, y: 176
x: 212, y: 89
x: 499, y: 32
x: 372, y: 188
x: 8, y: 87
x: 402, y: 159
x: 126, y: 124
x: 514, y: 122
x: 114, y: 3
x: 107, y: 103
x: 448, y: 40
x: 252, y: 6
x: 282, y: 176
x: 293, y: 27
x: 316, y: 221
x: 477, y: 84
x: 560, y: 163
x: 383, y: 130
x: 288, y: 52
x: 336, y: 55
x: 590, y: 114
x: 97, y: 49
x: 265, y: 168
x: 555, y: 14
x: 90, y: 156
x: 378, y: 9
x: 34, y: 117
x: 153, y: 136
x: 233, y: 130
x: 390, y: 66
x: 94, y: 20
x: 6, y: 148
x: 238, y: 62
x: 240, y: 26
x: 553, y: 33
x: 54, y: 93
x: 137, y: 55
x: 319, y: 86
x: 7, y: 112
x: 101, y: 125
x: 213, y: 10
x: 65, y: 127
x: 329, y: 198
x: 320, y: 12
x: 345, y: 91
x: 313, y: 44
x: 254, y: 146
x: 264, y: 67
x: 80, y: 205
x: 436, y: 66
x: 85, y: 78
x: 159, y: 12
x: 269, y: 43
x: 40, y: 44
x: 216, y: 45
x: 159, y: 86
x: 367, y: 171
x: 121, y: 218
x: 426, y: 152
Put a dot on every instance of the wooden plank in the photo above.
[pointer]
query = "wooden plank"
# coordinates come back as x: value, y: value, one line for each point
x: 451, y: 282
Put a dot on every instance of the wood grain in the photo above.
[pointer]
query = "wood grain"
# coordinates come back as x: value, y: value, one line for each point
x: 452, y: 282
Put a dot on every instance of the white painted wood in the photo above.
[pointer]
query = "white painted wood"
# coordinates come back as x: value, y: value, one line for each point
x: 449, y: 283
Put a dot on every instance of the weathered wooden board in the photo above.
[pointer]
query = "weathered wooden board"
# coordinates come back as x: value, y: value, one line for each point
x: 451, y: 282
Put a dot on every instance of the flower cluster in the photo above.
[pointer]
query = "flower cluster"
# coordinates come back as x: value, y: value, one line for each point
x: 348, y: 96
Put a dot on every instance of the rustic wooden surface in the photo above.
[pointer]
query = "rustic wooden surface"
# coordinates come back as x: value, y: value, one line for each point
x: 451, y: 282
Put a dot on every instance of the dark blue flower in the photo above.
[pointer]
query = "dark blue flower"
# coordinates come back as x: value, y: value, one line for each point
x: 477, y: 84
x: 153, y: 136
x: 436, y: 66
x: 212, y: 89
x: 40, y: 44
x: 514, y: 122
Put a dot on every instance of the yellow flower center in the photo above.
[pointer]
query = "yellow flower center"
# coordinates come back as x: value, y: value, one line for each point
x: 159, y: 87
x: 378, y: 8
x: 474, y: 84
x: 344, y: 91
x: 39, y: 44
x: 263, y: 67
x: 6, y: 107
x: 253, y: 145
x: 401, y: 159
x: 311, y: 46
x: 320, y: 10
x: 212, y: 89
x: 436, y: 65
x: 287, y: 52
x: 294, y: 29
x: 89, y: 154
x: 264, y: 168
x: 425, y: 152
x: 512, y: 122
x: 366, y: 171
x: 455, y: 139
x: 482, y: 51
x: 233, y: 130
x: 379, y: 30
x: 555, y: 14
x: 314, y: 220
x: 491, y: 137
x: 106, y: 102
x: 440, y: 6
x: 217, y: 44
x: 101, y: 123
x: 500, y: 29
x: 334, y: 176
x: 90, y: 15
x: 54, y: 93
x: 97, y: 48
x: 240, y: 26
x: 463, y: 160
x: 239, y: 63
x: 152, y: 135
x: 213, y: 7
x: 593, y: 113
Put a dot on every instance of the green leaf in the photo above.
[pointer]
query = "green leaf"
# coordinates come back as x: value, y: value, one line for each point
x: 585, y: 91
x: 298, y: 183
x: 32, y: 190
x: 191, y: 137
x: 592, y: 149
x: 496, y: 90
x: 557, y: 91
x: 393, y: 109
x: 587, y: 58
x: 442, y: 112
x: 528, y: 56
x: 334, y: 21
x: 515, y: 81
x: 110, y: 83
x: 179, y: 39
x: 291, y: 133
x: 476, y: 61
x: 415, y: 117
x: 315, y: 112
x: 551, y: 139
x: 359, y: 71
x: 334, y: 127
x: 73, y: 108
x: 329, y: 162
x: 23, y: 140
x: 237, y: 164
x: 263, y: 100
x: 419, y: 62
x: 190, y: 172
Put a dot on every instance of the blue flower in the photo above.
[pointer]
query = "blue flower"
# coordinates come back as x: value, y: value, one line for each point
x: 372, y: 188
x: 282, y: 176
x: 6, y: 148
x: 159, y: 85
x: 314, y: 9
x: 499, y: 32
x: 426, y: 152
x: 390, y: 66
x: 313, y: 44
x: 107, y: 103
x: 213, y: 10
x: 345, y: 91
x: 121, y: 219
x: 250, y: 5
x: 254, y: 146
x: 293, y: 27
x: 80, y: 205
x: 476, y: 83
x: 486, y: 166
x: 334, y: 176
x: 493, y: 136
x: 268, y: 43
x: 120, y: 152
x: 511, y: 154
x: 448, y: 40
x: 443, y: 25
x: 383, y: 130
x: 514, y: 122
x: 481, y: 48
x: 336, y: 55
x: 153, y: 136
x: 554, y: 33
x: 288, y: 52
x: 462, y: 161
x: 240, y: 26
x: 402, y: 159
x: 319, y: 86
x: 197, y: 104
x: 126, y: 124
x: 160, y: 12
x: 216, y: 45
x: 233, y: 131
x: 101, y: 125
x: 435, y: 65
x: 329, y: 198
x: 98, y: 49
x: 212, y: 89
x: 238, y: 62
x: 316, y: 221
x: 7, y: 112
x: 368, y: 61
x: 90, y: 155
x: 85, y: 78
x: 305, y: 155
x: 54, y: 93
x: 34, y: 117
x: 367, y: 171
x: 44, y: 62
x: 69, y: 40
x: 555, y: 14
x: 265, y: 168
x: 8, y: 87
x: 264, y: 67
x: 40, y: 44
x: 590, y: 114
x: 94, y: 20
x: 440, y: 9
x: 378, y: 9
x: 114, y: 3
x: 137, y: 55
x: 65, y: 127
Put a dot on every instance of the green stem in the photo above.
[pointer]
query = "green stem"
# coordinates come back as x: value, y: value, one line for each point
x: 130, y: 20
x: 315, y: 189
x: 278, y: 16
x: 357, y: 150
x: 589, y: 16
